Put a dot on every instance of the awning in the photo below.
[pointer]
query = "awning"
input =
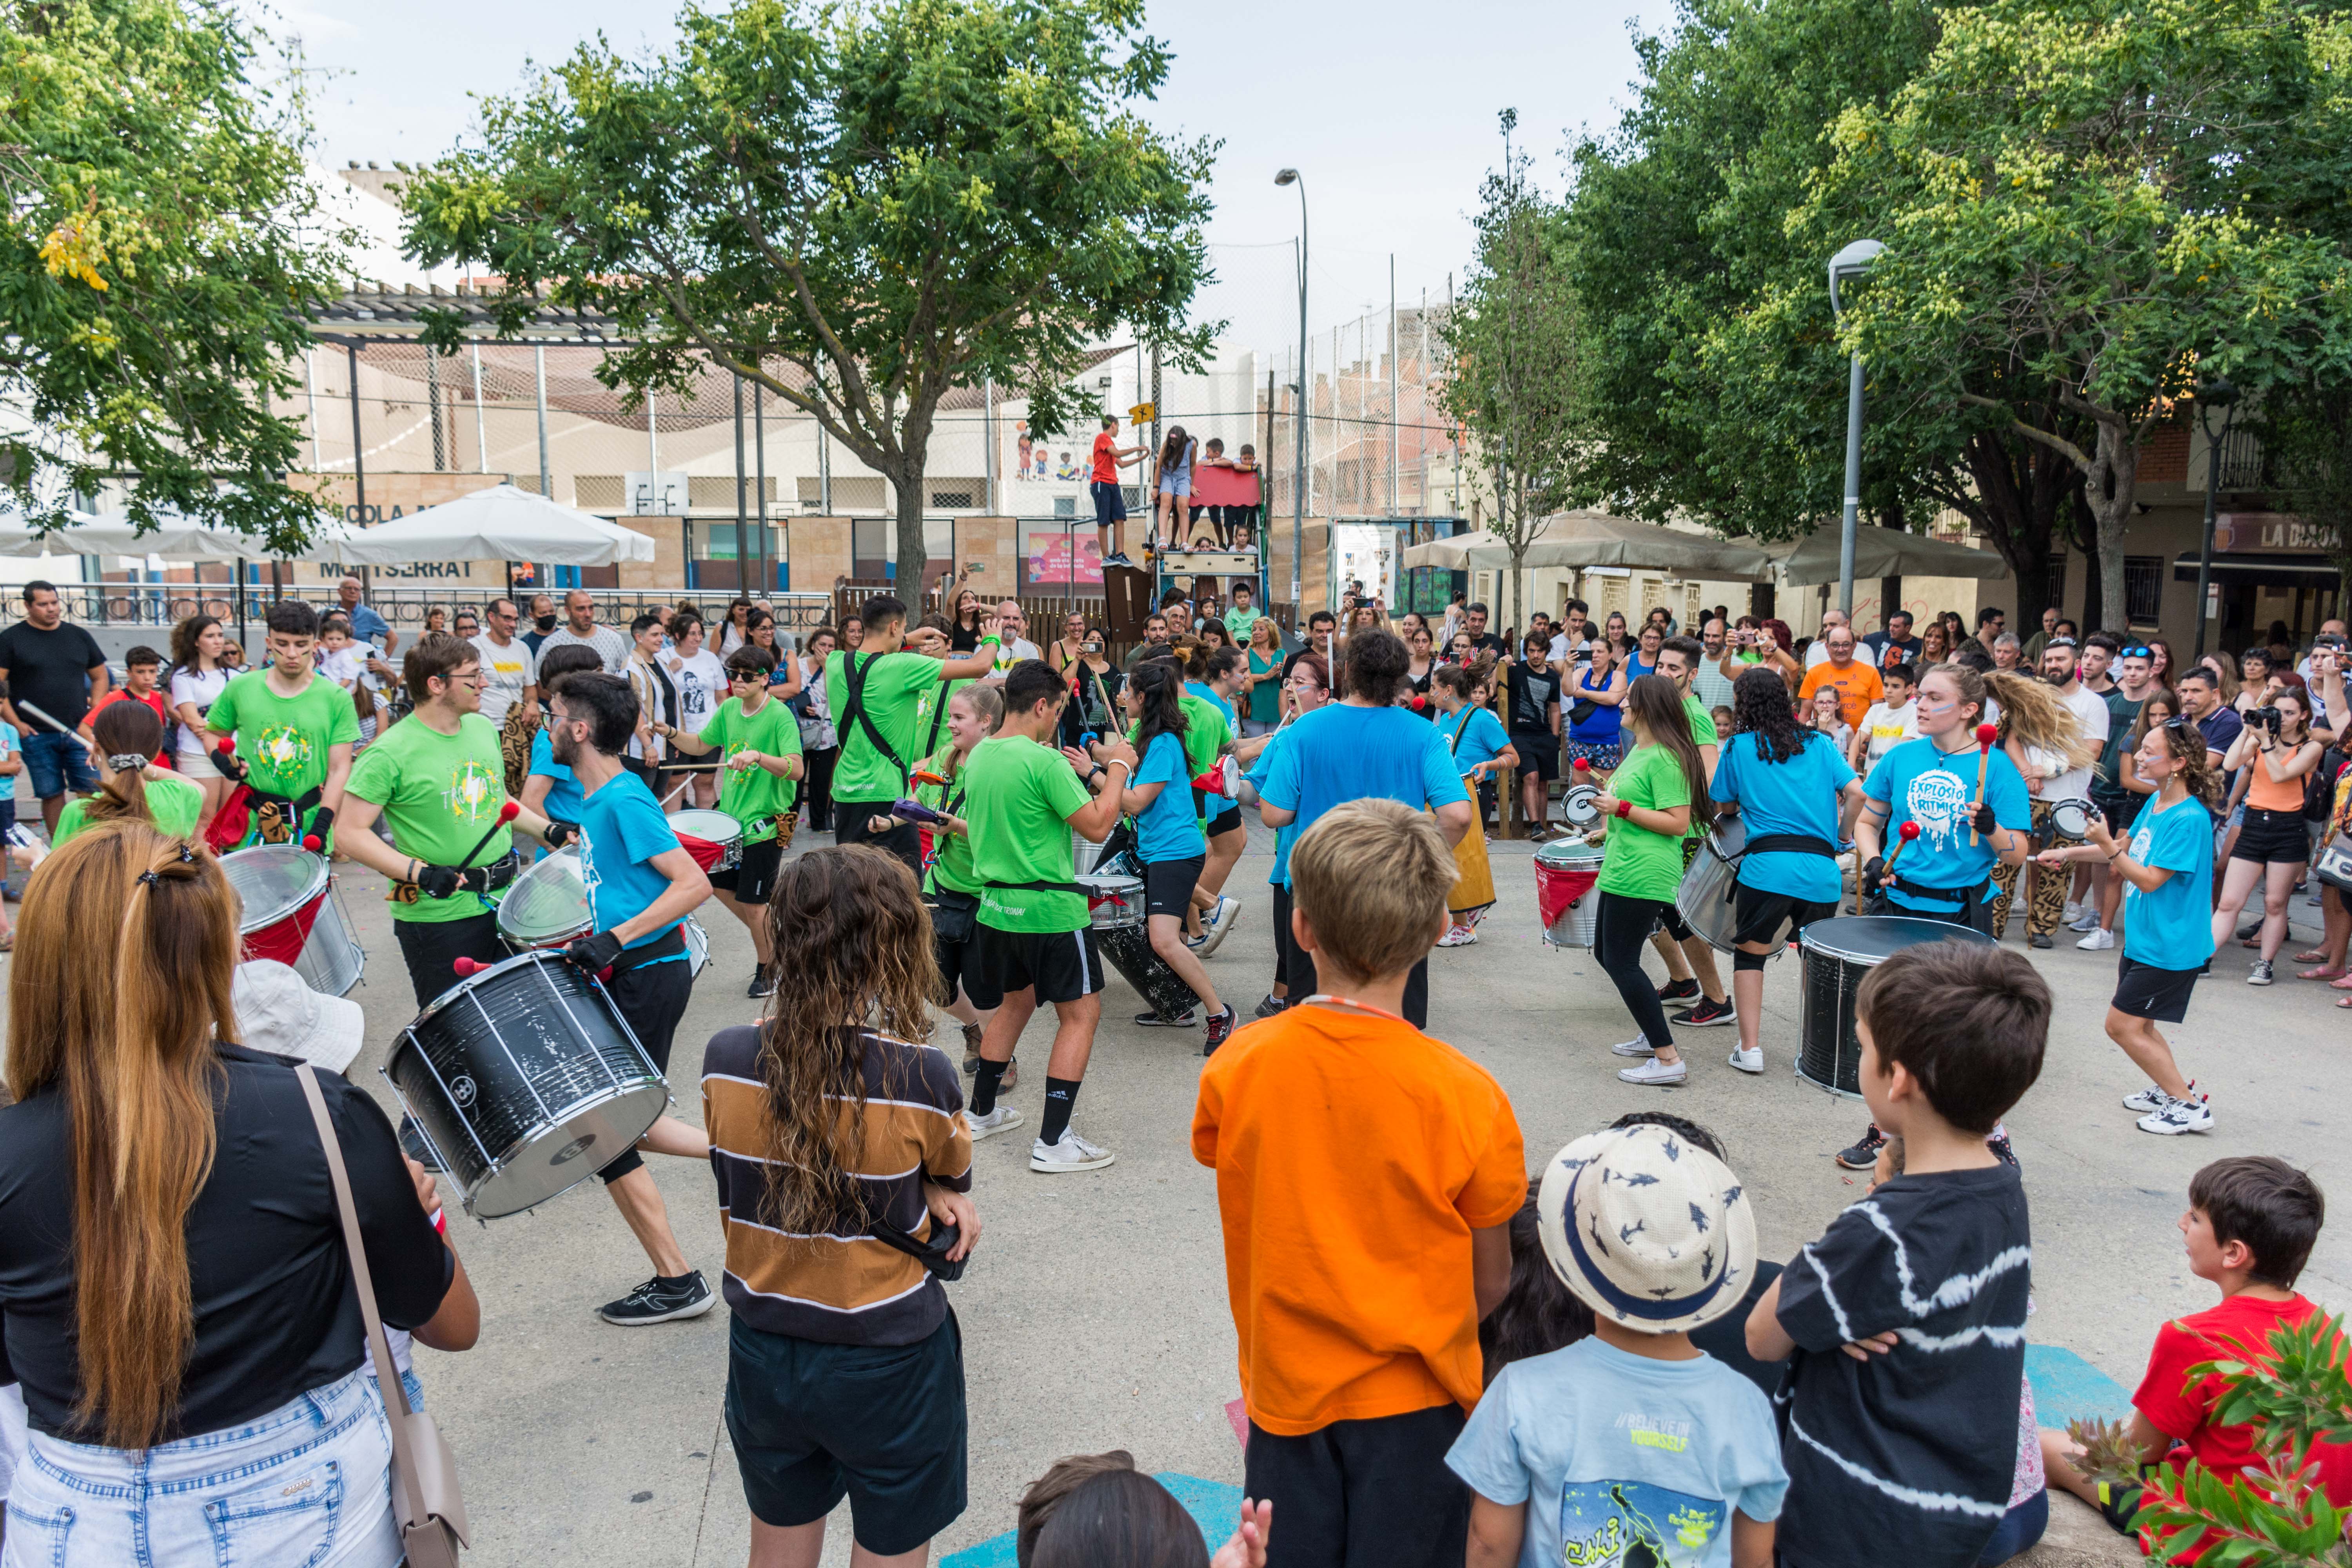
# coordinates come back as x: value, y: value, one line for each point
x: 1882, y: 552
x: 1583, y: 540
x: 2272, y: 571
x: 500, y: 524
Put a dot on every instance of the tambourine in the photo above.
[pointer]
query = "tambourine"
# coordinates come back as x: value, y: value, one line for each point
x: 2073, y: 818
x: 1580, y: 805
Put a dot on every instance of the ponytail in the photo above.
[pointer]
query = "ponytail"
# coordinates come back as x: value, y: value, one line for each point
x: 128, y: 736
x: 1162, y: 687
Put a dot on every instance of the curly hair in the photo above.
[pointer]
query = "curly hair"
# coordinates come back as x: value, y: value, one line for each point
x: 1759, y: 707
x: 853, y: 933
x: 2032, y: 715
x: 2185, y: 743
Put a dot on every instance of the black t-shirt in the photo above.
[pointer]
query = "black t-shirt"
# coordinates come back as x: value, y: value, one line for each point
x: 275, y: 1315
x: 1532, y: 694
x: 1491, y: 642
x: 51, y: 670
x: 1908, y: 1456
x: 1726, y: 1338
x: 962, y: 638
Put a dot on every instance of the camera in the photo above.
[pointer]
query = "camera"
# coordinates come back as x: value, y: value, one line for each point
x: 2265, y: 718
x: 1092, y: 645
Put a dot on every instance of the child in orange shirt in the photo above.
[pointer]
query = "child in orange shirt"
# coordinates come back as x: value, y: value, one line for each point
x: 1367, y: 1176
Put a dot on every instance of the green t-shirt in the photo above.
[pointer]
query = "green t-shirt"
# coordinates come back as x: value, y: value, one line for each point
x: 439, y: 793
x: 894, y: 683
x: 754, y: 795
x: 1019, y: 798
x: 950, y: 852
x: 1702, y: 723
x: 283, y: 740
x: 1641, y: 864
x: 175, y: 804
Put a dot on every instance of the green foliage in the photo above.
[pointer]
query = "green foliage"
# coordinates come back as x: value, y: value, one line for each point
x: 160, y: 256
x: 861, y: 209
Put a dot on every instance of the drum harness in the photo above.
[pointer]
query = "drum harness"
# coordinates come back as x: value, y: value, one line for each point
x: 953, y: 910
x: 484, y: 878
x: 854, y: 714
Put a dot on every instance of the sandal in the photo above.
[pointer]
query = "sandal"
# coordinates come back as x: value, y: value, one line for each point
x: 2314, y: 956
x: 2344, y: 1001
x: 2323, y: 973
x: 2343, y: 984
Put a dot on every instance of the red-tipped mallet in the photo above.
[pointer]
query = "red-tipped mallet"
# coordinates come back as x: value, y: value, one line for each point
x: 1909, y: 831
x: 507, y: 814
x: 1581, y: 765
x: 312, y: 842
x: 468, y: 968
x: 1986, y: 735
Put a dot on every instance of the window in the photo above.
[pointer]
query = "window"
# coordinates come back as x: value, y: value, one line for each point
x: 955, y: 495
x: 2143, y: 589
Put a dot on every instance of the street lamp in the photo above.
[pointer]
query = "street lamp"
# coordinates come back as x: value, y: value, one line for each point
x: 1851, y: 263
x: 2211, y: 395
x: 1298, y: 480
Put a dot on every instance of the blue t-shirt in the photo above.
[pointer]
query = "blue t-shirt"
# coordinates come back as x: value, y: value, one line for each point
x: 1918, y: 783
x: 1610, y: 1451
x: 1287, y: 834
x: 622, y: 829
x: 1342, y: 753
x: 1167, y: 829
x: 1481, y: 736
x: 367, y: 626
x: 2172, y: 927
x: 563, y: 795
x: 1800, y: 795
x: 1208, y: 693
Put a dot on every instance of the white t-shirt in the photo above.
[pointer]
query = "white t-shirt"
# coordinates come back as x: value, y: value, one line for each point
x: 702, y: 688
x: 1817, y: 651
x: 199, y: 688
x: 1561, y: 650
x: 1888, y: 728
x: 505, y: 672
x: 1012, y: 653
x: 2090, y: 714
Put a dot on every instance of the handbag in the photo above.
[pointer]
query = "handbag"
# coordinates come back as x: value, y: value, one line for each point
x: 953, y: 915
x: 2333, y: 864
x: 426, y: 1503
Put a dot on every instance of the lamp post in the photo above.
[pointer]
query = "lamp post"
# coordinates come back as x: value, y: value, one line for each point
x: 1850, y: 263
x: 2216, y: 393
x: 1299, y: 479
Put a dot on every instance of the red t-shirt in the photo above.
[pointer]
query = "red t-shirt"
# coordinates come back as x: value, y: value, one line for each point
x: 155, y: 699
x: 1105, y: 463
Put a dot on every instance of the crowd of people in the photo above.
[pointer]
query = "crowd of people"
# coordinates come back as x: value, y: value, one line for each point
x: 1453, y: 1363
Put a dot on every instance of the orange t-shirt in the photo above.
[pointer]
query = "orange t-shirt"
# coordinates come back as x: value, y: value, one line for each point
x: 1857, y: 684
x: 1354, y: 1157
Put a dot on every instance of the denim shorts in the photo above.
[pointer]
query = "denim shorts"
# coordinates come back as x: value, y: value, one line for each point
x: 1176, y: 485
x: 308, y: 1485
x: 58, y: 763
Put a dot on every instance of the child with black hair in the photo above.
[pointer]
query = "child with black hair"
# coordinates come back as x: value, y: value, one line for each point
x: 2248, y: 1229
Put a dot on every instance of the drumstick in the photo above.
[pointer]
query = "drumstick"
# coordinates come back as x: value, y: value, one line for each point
x: 506, y: 813
x: 1910, y: 830
x: 26, y: 707
x: 1986, y: 735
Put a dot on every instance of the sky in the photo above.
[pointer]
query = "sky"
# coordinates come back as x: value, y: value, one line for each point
x: 1388, y: 111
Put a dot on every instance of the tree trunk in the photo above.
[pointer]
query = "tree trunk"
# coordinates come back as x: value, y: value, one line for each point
x: 2111, y: 485
x: 2019, y: 486
x: 912, y: 558
x: 2094, y: 587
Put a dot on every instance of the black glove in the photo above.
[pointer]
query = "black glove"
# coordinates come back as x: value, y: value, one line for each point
x: 560, y: 833
x: 1982, y: 820
x: 437, y: 881
x: 594, y: 952
x: 1873, y: 876
x: 226, y: 758
x: 322, y: 822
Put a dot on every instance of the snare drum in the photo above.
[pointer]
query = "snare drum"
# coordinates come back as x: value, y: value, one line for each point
x: 714, y: 838
x: 1113, y: 901
x: 526, y: 1080
x: 698, y: 946
x: 1566, y: 905
x: 547, y: 906
x: 1706, y: 899
x: 290, y: 915
x: 1838, y: 953
x: 2073, y: 818
x: 1580, y: 805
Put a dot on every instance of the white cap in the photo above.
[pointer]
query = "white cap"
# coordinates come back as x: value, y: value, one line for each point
x: 279, y: 1013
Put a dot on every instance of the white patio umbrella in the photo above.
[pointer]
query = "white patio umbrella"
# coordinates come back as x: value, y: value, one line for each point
x: 500, y: 524
x: 1883, y: 553
x: 176, y: 538
x: 1580, y: 540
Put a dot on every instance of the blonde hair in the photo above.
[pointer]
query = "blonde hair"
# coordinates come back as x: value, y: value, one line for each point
x: 1371, y: 876
x: 987, y: 705
x: 127, y: 1041
x: 2032, y: 714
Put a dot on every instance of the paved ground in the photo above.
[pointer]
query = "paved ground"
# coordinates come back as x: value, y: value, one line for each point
x: 1094, y: 1313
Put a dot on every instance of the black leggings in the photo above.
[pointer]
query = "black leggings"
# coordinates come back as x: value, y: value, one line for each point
x: 1623, y: 928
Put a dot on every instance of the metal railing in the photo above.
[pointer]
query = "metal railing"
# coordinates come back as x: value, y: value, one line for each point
x: 164, y: 605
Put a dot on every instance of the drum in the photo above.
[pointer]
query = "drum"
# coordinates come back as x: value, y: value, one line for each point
x: 1580, y: 805
x: 1838, y: 953
x: 1127, y: 949
x: 2073, y: 818
x: 1566, y: 904
x: 698, y: 946
x: 527, y: 1081
x: 290, y: 917
x: 547, y: 905
x: 721, y: 832
x: 1114, y: 902
x: 1705, y: 898
x: 1083, y: 852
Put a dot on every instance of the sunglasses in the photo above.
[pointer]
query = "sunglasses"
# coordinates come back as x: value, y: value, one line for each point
x: 2140, y: 651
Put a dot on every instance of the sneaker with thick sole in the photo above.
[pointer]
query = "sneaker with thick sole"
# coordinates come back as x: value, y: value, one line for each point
x: 1750, y: 1061
x: 1708, y: 1012
x: 763, y: 982
x: 1001, y: 1118
x: 2038, y: 939
x: 2154, y: 1099
x: 1639, y: 1045
x: 2099, y: 940
x: 1220, y: 1029
x: 1679, y: 991
x: 1655, y: 1071
x: 1117, y: 558
x: 1271, y: 1004
x: 1221, y: 920
x: 971, y: 1034
x: 2261, y: 973
x: 1072, y: 1153
x: 2086, y: 923
x: 656, y: 1302
x: 1190, y: 1020
x: 2178, y: 1116
x: 1864, y: 1155
x: 2070, y: 913
x: 1457, y: 936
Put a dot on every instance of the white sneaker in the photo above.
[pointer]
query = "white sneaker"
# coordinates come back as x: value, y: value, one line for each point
x: 994, y: 1123
x: 2073, y: 912
x: 1639, y: 1045
x: 1656, y: 1071
x: 2100, y: 941
x: 1221, y: 920
x: 2088, y: 921
x: 1457, y: 936
x: 1749, y: 1061
x: 2178, y: 1116
x: 2155, y: 1099
x: 1072, y: 1153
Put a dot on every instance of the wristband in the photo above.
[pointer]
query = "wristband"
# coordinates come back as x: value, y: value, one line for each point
x: 1624, y: 809
x: 991, y: 640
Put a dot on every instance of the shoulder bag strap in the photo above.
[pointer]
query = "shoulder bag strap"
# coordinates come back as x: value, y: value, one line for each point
x: 1461, y: 725
x: 853, y: 678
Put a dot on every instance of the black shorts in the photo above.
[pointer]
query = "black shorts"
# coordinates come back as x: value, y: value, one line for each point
x: 2119, y: 809
x: 2160, y: 995
x: 1766, y: 917
x: 1062, y: 964
x: 849, y: 820
x: 1371, y: 1493
x: 753, y: 877
x: 652, y: 997
x: 1538, y: 754
x: 1229, y: 820
x: 1168, y: 885
x: 431, y: 949
x: 2272, y: 838
x: 881, y: 1424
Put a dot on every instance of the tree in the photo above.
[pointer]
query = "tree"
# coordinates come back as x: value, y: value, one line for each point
x: 162, y: 257
x: 1514, y: 341
x: 858, y: 209
x: 2088, y: 207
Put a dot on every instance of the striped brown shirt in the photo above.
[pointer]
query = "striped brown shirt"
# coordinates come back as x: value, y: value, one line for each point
x: 839, y: 1286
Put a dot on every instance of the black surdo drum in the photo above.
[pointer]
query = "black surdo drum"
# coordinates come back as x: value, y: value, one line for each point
x: 1838, y: 953
x: 526, y: 1080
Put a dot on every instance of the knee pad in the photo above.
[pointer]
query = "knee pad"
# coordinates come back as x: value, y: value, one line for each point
x: 1744, y: 961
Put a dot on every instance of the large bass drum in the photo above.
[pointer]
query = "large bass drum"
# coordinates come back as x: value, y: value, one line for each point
x: 291, y: 915
x: 1705, y: 900
x: 1839, y: 955
x: 527, y: 1081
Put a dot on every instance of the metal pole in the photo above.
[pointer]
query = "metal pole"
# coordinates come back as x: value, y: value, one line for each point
x: 1393, y: 448
x: 653, y: 457
x: 1852, y: 489
x: 1298, y: 480
x: 759, y: 492
x: 358, y: 457
x: 311, y: 388
x: 481, y: 435
x: 987, y: 434
x: 743, y: 493
x: 2205, y: 550
x: 538, y: 365
x: 823, y: 467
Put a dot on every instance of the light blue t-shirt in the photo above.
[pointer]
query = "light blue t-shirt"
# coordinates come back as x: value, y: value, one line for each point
x: 1208, y: 693
x: 1800, y: 795
x: 1610, y: 1451
x: 1287, y: 834
x: 622, y: 829
x: 1918, y: 783
x: 1167, y: 829
x: 1342, y: 753
x: 2172, y: 927
x: 1481, y: 736
x: 563, y: 795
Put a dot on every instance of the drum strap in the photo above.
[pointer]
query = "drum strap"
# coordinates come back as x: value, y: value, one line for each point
x: 1788, y: 844
x: 669, y: 945
x: 854, y: 714
x: 1040, y: 888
